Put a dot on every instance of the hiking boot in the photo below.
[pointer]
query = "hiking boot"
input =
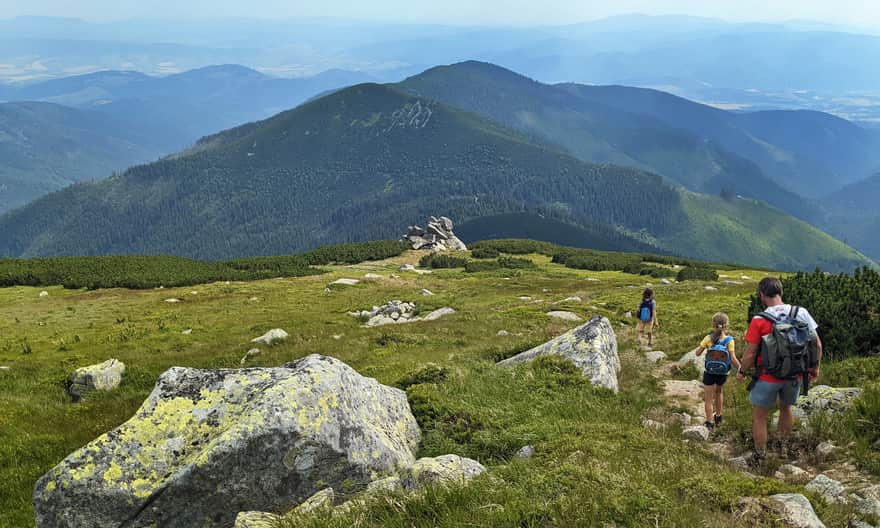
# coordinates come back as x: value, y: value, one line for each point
x: 781, y: 447
x: 756, y: 459
x: 718, y: 419
x: 709, y: 425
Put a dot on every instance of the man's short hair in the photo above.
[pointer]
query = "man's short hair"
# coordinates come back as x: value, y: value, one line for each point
x: 770, y: 287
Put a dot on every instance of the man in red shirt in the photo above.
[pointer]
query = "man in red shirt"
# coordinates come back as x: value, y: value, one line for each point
x: 768, y: 389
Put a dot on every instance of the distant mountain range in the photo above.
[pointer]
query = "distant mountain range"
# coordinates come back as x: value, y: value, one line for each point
x: 855, y: 215
x: 114, y: 119
x: 45, y: 146
x: 366, y: 161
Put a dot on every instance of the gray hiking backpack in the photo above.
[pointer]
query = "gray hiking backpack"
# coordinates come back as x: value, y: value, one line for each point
x: 791, y: 349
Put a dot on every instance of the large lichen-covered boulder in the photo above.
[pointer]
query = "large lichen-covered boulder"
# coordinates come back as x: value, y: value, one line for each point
x: 101, y: 377
x: 592, y: 347
x: 208, y: 444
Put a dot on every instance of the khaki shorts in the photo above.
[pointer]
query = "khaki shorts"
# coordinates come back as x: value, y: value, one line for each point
x: 646, y: 327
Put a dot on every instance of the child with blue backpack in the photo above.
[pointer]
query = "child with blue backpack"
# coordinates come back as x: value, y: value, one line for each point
x: 647, y: 316
x: 720, y: 359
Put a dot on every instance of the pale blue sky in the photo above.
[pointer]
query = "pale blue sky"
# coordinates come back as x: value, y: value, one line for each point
x: 864, y: 13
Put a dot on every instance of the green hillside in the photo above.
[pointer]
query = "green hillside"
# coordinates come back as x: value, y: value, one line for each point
x: 45, y: 147
x: 594, y: 463
x: 360, y: 164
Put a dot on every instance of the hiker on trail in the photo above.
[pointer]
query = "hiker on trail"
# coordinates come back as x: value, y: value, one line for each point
x: 720, y: 358
x: 648, y: 316
x: 783, y: 347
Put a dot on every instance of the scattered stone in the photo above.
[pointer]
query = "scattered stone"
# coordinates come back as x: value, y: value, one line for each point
x: 253, y: 299
x: 276, y: 334
x: 732, y: 283
x: 438, y: 236
x: 524, y: 298
x: 570, y: 300
x: 683, y: 418
x: 797, y: 510
x: 337, y: 337
x: 503, y: 333
x: 260, y: 439
x: 445, y: 469
x: 255, y: 519
x: 740, y: 462
x: 628, y: 315
x: 867, y: 501
x: 692, y: 358
x: 823, y: 398
x: 830, y: 489
x: 100, y: 377
x: 426, y: 293
x: 665, y: 281
x: 250, y: 354
x: 592, y: 347
x: 172, y: 301
x: 188, y: 331
x: 44, y: 294
x: 710, y: 288
x: 792, y: 473
x: 566, y: 316
x: 859, y: 524
x: 825, y: 451
x: 385, y: 485
x: 745, y: 277
x: 345, y: 282
x: 413, y: 269
x: 437, y: 314
x: 592, y: 279
x: 695, y: 433
x: 322, y: 499
x: 652, y: 424
x: 193, y: 292
x: 656, y: 356
x: 526, y: 452
x: 4, y: 367
x: 373, y: 276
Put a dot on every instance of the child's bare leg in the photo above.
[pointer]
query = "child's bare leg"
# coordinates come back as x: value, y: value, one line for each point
x: 708, y: 397
x: 719, y: 399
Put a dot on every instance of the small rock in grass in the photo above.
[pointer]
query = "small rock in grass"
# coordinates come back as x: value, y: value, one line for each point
x: 797, y: 510
x: 710, y: 288
x: 445, y: 469
x: 188, y: 331
x: 4, y: 367
x: 44, y: 294
x: 652, y: 424
x: 385, y: 485
x: 345, y: 282
x: 683, y: 418
x: 193, y: 292
x: 320, y: 500
x: 524, y: 298
x: 276, y: 334
x: 526, y: 452
x: 255, y: 519
x: 437, y: 314
x: 249, y: 354
x: 253, y: 299
x: 828, y: 488
x: 372, y: 276
x: 655, y: 357
x: 503, y: 333
x: 566, y: 316
x: 172, y: 301
x: 695, y: 433
x: 426, y: 293
x: 101, y: 377
x: 665, y: 281
x: 792, y: 473
x: 825, y: 451
x: 574, y: 299
x: 592, y: 279
x: 628, y: 315
x: 740, y: 462
x: 337, y: 337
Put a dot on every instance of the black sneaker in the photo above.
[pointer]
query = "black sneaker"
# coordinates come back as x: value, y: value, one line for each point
x: 757, y: 459
x: 709, y: 425
x: 718, y: 419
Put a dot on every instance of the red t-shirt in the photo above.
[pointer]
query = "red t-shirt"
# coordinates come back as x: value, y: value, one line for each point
x: 759, y: 327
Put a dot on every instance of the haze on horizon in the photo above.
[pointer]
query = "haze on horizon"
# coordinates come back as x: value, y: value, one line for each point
x: 854, y: 13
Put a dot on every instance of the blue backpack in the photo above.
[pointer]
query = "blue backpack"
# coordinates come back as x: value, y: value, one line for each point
x: 718, y: 357
x: 646, y: 310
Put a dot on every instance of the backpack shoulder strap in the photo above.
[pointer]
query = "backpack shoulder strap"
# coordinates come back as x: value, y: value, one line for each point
x: 726, y: 341
x: 794, y: 312
x: 768, y: 316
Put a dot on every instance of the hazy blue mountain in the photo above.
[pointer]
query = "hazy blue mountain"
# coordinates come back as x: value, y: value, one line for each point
x: 44, y: 147
x: 854, y: 214
x: 363, y: 162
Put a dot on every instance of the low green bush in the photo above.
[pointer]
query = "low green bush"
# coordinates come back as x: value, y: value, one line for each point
x: 485, y: 252
x: 697, y: 273
x: 476, y: 266
x: 442, y: 260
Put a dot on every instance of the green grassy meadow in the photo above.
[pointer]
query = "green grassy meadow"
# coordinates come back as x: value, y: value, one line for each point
x: 595, y: 464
